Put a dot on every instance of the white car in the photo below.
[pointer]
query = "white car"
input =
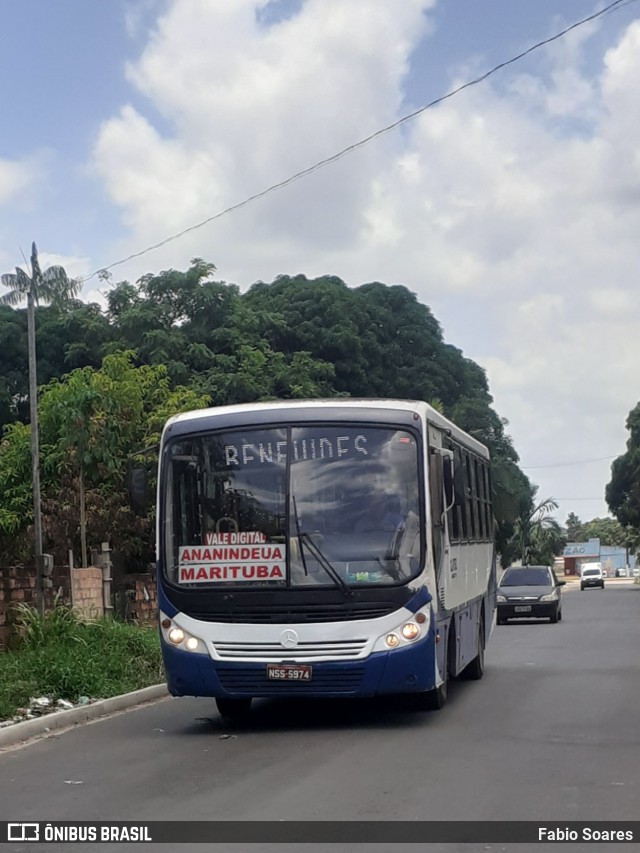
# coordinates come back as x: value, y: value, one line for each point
x: 592, y: 576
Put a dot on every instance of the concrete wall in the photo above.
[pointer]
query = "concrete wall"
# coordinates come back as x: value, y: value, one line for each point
x: 81, y: 588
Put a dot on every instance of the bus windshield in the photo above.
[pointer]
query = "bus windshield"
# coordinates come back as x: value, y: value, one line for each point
x: 292, y: 506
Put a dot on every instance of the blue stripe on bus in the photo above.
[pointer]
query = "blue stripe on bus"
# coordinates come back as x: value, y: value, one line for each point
x: 406, y: 670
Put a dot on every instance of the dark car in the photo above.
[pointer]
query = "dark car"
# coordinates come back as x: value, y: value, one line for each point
x: 526, y: 591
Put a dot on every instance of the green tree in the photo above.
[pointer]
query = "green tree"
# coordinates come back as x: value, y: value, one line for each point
x: 607, y: 530
x: 14, y: 366
x: 93, y: 422
x: 52, y: 285
x: 293, y: 338
x: 574, y: 529
x: 623, y: 490
x: 77, y: 336
x: 383, y: 343
x: 610, y: 532
x: 16, y: 499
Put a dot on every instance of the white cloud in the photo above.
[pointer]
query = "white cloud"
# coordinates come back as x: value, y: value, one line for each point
x: 249, y: 106
x: 74, y: 266
x: 19, y: 177
x: 513, y: 211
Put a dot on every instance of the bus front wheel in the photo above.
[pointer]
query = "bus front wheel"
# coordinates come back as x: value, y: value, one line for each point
x: 475, y: 669
x: 233, y: 709
x: 434, y: 700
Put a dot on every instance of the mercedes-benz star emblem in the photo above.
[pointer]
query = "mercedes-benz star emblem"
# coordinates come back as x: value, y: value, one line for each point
x: 288, y: 639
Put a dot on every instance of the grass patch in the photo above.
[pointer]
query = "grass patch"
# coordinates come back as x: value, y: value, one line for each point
x: 58, y: 655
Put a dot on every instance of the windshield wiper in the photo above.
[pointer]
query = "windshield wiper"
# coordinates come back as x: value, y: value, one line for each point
x: 299, y: 535
x: 304, y: 537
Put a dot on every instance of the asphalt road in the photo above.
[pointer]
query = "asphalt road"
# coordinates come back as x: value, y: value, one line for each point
x: 551, y: 733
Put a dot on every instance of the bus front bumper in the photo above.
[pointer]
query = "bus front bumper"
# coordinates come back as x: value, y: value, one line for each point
x: 406, y: 670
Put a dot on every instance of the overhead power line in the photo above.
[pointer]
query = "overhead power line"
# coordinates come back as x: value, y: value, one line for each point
x: 566, y: 464
x: 356, y: 145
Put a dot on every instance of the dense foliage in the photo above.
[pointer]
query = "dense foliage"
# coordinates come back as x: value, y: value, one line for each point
x: 62, y: 657
x: 608, y: 530
x: 623, y: 490
x: 181, y: 340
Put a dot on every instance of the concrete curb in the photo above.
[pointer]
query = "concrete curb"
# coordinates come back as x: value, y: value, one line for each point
x: 83, y: 714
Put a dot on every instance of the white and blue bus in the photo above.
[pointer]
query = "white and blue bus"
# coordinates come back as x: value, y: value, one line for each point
x: 328, y: 548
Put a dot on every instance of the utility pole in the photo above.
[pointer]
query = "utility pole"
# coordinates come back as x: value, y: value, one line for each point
x: 35, y: 448
x: 54, y: 285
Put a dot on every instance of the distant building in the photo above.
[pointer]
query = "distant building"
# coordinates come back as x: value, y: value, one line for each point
x: 611, y: 557
x: 575, y: 554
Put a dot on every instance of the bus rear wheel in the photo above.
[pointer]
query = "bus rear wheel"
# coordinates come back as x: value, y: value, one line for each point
x: 233, y: 709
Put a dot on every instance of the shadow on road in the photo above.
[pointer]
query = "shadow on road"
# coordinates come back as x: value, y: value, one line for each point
x: 327, y: 714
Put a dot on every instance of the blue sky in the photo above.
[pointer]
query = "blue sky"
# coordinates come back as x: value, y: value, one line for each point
x: 512, y: 210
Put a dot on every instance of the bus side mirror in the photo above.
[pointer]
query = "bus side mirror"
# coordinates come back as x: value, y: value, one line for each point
x: 138, y: 488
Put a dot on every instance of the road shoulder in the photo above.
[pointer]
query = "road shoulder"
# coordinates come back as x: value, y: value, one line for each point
x: 27, y: 730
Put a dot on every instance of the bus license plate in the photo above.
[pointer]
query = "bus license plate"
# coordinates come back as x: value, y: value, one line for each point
x: 523, y: 608
x: 288, y: 672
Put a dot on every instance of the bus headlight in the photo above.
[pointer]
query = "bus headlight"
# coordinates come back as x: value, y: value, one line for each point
x: 176, y: 636
x: 410, y: 631
x: 406, y: 632
x: 179, y: 638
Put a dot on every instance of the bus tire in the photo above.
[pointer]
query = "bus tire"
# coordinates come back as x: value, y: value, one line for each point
x: 434, y: 700
x: 233, y: 709
x: 475, y: 669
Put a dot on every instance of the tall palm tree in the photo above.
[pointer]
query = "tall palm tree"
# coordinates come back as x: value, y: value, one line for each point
x: 54, y: 286
x: 539, y: 534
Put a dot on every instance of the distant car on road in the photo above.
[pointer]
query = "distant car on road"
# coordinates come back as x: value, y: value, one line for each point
x: 592, y: 576
x: 526, y: 591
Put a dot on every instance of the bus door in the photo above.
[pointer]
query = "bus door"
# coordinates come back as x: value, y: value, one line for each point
x: 441, y: 498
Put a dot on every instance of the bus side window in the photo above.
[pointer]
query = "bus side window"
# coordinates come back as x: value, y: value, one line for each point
x: 481, y: 476
x: 459, y: 508
x: 479, y: 498
x: 488, y: 505
x: 468, y: 508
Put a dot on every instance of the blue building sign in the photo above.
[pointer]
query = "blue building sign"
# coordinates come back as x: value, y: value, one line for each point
x: 580, y: 550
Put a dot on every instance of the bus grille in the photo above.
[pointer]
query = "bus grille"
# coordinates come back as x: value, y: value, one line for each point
x: 252, y: 681
x: 288, y: 614
x: 346, y: 649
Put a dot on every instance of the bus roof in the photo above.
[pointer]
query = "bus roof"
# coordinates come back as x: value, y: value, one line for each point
x: 427, y: 412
